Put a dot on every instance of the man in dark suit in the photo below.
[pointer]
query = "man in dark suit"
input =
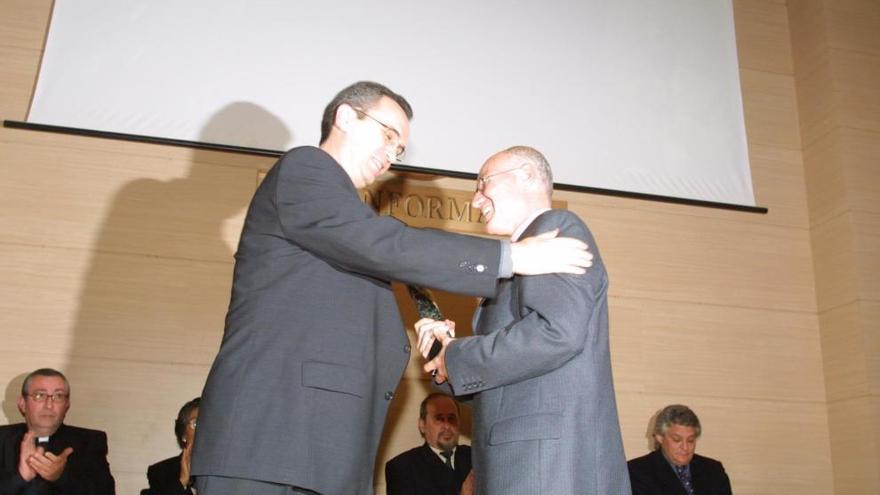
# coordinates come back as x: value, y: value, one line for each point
x: 538, y: 364
x: 171, y: 476
x: 440, y: 465
x: 43, y: 456
x: 673, y: 468
x: 313, y: 348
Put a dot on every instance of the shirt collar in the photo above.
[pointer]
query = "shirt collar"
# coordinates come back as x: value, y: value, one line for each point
x: 440, y: 455
x: 524, y: 225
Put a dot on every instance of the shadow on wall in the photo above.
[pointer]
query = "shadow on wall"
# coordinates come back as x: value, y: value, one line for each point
x: 155, y: 294
x: 10, y: 399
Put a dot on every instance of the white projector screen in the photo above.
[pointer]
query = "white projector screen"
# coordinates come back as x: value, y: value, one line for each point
x: 640, y: 96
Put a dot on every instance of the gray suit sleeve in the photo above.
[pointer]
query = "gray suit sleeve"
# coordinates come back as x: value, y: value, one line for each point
x: 322, y: 213
x: 554, y: 325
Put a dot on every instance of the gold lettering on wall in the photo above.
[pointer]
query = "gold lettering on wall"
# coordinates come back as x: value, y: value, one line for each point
x: 445, y: 209
x: 425, y: 207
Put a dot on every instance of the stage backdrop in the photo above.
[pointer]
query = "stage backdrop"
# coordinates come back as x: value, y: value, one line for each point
x: 631, y: 95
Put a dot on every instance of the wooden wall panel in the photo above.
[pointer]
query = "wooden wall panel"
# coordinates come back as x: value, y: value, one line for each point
x: 852, y: 25
x: 16, y: 79
x: 846, y: 353
x: 669, y: 257
x: 856, y: 455
x: 151, y: 206
x: 762, y: 36
x: 116, y: 258
x: 775, y: 175
x: 770, y: 109
x: 856, y: 77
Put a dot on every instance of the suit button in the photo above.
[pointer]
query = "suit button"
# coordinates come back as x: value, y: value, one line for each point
x: 407, y: 348
x: 389, y: 395
x: 480, y: 268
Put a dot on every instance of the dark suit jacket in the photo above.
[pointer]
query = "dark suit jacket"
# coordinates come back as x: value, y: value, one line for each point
x: 545, y: 417
x: 86, y: 473
x: 420, y: 471
x: 314, y: 347
x: 164, y: 478
x: 652, y: 475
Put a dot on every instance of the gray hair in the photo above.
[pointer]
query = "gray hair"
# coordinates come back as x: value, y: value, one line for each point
x: 25, y: 386
x: 537, y: 160
x: 676, y: 414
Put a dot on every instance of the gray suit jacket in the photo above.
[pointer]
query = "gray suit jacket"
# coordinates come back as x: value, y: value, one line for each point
x: 314, y: 347
x: 545, y: 417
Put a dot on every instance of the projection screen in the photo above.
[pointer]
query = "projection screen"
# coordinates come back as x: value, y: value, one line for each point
x: 630, y: 95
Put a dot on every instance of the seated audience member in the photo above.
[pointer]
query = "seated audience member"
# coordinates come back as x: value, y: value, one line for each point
x: 673, y: 468
x: 440, y: 465
x: 171, y: 476
x: 45, y: 456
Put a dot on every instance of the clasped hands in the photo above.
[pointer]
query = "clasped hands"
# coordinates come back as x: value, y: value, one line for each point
x: 429, y: 330
x: 35, y: 460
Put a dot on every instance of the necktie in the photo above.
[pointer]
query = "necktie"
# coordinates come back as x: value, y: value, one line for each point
x: 684, y: 475
x: 448, y: 457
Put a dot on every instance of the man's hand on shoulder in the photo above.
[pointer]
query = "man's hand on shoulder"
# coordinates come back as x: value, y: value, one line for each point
x: 546, y: 253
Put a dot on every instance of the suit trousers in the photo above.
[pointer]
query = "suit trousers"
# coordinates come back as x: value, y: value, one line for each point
x: 221, y: 485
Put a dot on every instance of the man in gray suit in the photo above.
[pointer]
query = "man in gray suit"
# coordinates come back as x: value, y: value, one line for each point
x: 538, y: 365
x: 313, y: 347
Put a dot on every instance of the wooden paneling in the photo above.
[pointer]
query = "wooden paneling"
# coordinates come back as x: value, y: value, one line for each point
x: 762, y: 36
x: 715, y: 351
x: 777, y: 179
x: 855, y: 443
x: 854, y: 25
x: 16, y: 79
x: 846, y: 355
x: 701, y: 260
x: 770, y: 109
x: 23, y: 23
x: 116, y: 263
x: 150, y: 206
x: 837, y: 277
x: 856, y: 77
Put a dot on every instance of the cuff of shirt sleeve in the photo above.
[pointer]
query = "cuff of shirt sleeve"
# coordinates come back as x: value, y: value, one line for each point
x: 505, y: 265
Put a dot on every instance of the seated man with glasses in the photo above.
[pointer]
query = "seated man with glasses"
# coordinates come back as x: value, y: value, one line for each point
x: 45, y: 456
x: 171, y: 476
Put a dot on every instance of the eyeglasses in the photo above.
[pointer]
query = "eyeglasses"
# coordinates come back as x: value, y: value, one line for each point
x: 57, y: 397
x: 392, y: 137
x: 482, y: 181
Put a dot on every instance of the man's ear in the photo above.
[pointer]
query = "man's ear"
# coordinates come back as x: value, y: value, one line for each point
x: 529, y: 177
x: 658, y: 439
x: 20, y: 403
x: 422, y: 427
x: 345, y: 115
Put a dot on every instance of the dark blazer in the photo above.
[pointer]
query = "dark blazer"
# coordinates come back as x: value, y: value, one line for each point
x: 86, y: 473
x: 313, y: 347
x: 545, y: 417
x: 651, y: 474
x: 164, y: 478
x: 420, y: 471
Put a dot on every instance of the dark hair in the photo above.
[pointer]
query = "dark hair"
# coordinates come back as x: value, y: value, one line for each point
x: 183, y: 419
x: 676, y: 414
x: 42, y: 372
x: 362, y: 94
x: 423, y: 407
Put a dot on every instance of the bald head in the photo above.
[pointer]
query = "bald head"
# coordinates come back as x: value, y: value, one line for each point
x: 512, y: 185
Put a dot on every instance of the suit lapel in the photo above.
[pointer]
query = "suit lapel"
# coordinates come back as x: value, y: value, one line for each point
x: 671, y: 484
